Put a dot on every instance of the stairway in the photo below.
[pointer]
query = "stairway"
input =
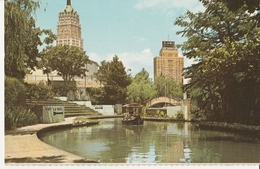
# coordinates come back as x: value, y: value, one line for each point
x: 71, y: 109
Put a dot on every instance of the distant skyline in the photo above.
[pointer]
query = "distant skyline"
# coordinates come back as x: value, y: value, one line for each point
x: 132, y: 29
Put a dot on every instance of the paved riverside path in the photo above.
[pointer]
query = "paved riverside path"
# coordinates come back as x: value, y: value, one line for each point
x: 23, y: 146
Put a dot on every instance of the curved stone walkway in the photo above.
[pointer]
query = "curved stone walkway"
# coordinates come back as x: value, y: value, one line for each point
x: 23, y: 146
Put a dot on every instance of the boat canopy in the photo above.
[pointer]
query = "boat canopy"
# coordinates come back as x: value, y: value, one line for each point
x: 134, y: 108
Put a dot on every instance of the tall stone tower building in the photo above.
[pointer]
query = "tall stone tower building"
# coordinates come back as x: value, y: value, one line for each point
x: 68, y: 33
x: 69, y: 28
x: 168, y: 63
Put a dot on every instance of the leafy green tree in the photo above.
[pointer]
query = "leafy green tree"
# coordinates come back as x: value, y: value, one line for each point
x: 68, y: 61
x: 252, y: 5
x: 22, y: 37
x: 96, y: 95
x: 114, y: 78
x: 141, y: 89
x: 166, y: 86
x: 226, y: 45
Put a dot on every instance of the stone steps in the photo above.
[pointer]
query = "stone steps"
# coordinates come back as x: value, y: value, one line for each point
x: 71, y: 109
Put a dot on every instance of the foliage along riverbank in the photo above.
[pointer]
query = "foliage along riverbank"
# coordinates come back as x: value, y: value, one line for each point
x: 252, y: 130
x: 231, y: 127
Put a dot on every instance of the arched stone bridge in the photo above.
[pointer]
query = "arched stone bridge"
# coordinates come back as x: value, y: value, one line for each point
x: 173, y: 101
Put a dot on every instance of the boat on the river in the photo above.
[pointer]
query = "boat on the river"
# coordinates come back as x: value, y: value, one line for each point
x: 133, y: 114
x: 135, y: 121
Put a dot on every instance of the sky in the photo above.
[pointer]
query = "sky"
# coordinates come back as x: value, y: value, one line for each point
x: 131, y: 29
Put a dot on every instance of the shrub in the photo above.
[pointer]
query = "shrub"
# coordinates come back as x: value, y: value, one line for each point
x: 157, y: 113
x: 9, y: 119
x: 180, y: 115
x: 161, y: 113
x: 16, y: 114
x: 40, y: 91
x: 144, y: 113
x: 18, y: 117
x: 14, y: 92
x: 198, y: 113
x: 62, y: 89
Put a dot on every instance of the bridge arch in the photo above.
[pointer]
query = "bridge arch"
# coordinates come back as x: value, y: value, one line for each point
x: 162, y: 99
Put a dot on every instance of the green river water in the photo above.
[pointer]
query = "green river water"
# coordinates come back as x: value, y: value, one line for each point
x: 154, y: 142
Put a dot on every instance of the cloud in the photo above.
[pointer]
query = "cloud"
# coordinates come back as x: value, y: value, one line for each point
x: 141, y: 4
x: 95, y: 57
x: 170, y: 5
x: 136, y: 61
x: 139, y: 39
x: 131, y: 60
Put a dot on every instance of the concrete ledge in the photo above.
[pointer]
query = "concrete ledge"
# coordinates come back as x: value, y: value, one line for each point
x: 104, y: 117
x: 64, y: 126
x: 163, y: 119
x: 24, y: 146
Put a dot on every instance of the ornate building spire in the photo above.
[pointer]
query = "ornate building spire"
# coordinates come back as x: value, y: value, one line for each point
x: 69, y: 28
x: 68, y: 2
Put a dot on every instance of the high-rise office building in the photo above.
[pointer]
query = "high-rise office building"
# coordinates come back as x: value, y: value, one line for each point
x: 69, y: 28
x: 168, y: 63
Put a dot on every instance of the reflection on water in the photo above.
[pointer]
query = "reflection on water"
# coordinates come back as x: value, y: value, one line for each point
x: 154, y: 142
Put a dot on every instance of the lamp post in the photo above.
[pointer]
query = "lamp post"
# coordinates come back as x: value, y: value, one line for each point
x: 165, y: 90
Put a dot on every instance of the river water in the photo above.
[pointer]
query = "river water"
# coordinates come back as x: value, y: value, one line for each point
x: 154, y: 142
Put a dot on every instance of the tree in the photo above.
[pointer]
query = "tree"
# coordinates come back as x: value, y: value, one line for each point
x: 22, y: 37
x: 252, y: 5
x: 68, y: 61
x: 166, y: 86
x: 96, y: 95
x: 114, y: 78
x: 226, y: 45
x: 141, y: 89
